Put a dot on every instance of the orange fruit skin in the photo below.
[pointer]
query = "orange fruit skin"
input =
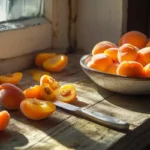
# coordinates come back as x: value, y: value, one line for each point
x: 135, y: 38
x: 143, y: 56
x: 130, y: 69
x: 112, y: 53
x: 112, y: 69
x: 147, y: 70
x: 127, y: 52
x: 37, y: 109
x: 102, y: 46
x: 4, y: 119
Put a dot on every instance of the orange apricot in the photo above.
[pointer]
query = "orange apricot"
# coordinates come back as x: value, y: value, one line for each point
x: 127, y: 52
x: 33, y: 92
x: 11, y: 96
x: 13, y: 78
x: 112, y: 53
x: 67, y: 93
x: 48, y: 93
x: 143, y: 56
x: 102, y: 46
x: 130, y: 69
x: 36, y: 109
x: 4, y: 119
x: 100, y: 62
x: 41, y: 57
x: 148, y: 43
x: 112, y: 69
x: 50, y: 80
x: 56, y: 63
x: 147, y: 70
x: 135, y: 38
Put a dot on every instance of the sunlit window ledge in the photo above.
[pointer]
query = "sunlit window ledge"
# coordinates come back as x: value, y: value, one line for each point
x: 25, y: 23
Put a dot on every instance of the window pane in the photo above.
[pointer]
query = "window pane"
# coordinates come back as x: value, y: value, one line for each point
x: 18, y: 9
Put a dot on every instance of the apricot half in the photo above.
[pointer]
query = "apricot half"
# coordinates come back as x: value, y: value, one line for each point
x: 50, y: 80
x: 33, y: 92
x: 41, y: 57
x: 56, y: 63
x: 67, y: 93
x: 4, y: 119
x: 37, y: 109
x: 13, y: 78
x: 11, y: 96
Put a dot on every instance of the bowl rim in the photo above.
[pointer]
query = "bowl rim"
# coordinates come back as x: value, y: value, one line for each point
x: 108, y: 74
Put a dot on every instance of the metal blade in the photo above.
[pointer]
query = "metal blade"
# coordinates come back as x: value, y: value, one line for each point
x: 66, y: 106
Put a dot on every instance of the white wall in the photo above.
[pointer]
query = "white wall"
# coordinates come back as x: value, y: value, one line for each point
x: 98, y: 20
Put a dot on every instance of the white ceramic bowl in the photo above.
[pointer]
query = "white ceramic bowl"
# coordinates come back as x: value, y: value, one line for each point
x: 116, y: 83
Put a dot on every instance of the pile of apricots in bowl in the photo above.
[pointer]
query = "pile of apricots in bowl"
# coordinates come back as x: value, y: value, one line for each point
x: 35, y: 102
x: 123, y: 67
x: 130, y: 58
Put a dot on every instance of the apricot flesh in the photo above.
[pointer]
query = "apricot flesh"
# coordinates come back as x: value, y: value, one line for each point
x: 37, y: 109
x: 4, y: 119
x: 11, y: 96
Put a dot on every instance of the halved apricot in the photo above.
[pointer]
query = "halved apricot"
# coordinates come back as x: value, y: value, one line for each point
x: 41, y: 57
x: 11, y: 96
x: 4, y: 119
x: 50, y: 80
x: 37, y: 109
x: 127, y: 52
x: 48, y: 93
x: 33, y: 92
x: 102, y: 46
x: 13, y: 78
x: 67, y: 93
x: 56, y: 63
x: 130, y: 69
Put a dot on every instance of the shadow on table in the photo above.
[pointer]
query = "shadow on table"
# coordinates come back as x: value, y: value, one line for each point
x: 63, y: 133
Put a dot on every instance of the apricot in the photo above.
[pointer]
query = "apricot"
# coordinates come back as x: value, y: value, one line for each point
x: 147, y: 70
x: 112, y: 53
x: 50, y: 80
x: 36, y: 109
x: 143, y: 56
x: 102, y: 46
x: 4, y: 119
x: 112, y: 69
x: 48, y: 93
x: 148, y: 43
x: 100, y: 62
x: 56, y: 63
x: 67, y: 93
x: 33, y: 92
x: 135, y: 38
x: 130, y: 69
x: 41, y: 57
x: 13, y: 78
x: 127, y: 52
x: 37, y: 74
x: 11, y: 96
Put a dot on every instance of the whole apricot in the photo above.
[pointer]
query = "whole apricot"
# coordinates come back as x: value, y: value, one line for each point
x: 130, y: 69
x: 102, y: 46
x: 37, y: 109
x: 135, y: 38
x: 147, y: 70
x: 11, y: 96
x: 100, y: 62
x: 112, y: 69
x: 127, y: 52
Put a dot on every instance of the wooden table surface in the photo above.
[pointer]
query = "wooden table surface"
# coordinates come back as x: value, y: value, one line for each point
x: 63, y: 130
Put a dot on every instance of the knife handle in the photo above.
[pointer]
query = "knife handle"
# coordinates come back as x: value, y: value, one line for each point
x: 103, y: 119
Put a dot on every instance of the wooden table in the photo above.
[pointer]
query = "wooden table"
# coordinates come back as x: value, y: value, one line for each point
x: 63, y: 130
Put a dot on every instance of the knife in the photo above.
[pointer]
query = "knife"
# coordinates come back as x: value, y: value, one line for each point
x: 97, y: 117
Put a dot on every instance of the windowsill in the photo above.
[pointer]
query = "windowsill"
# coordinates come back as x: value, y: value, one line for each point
x: 19, y: 24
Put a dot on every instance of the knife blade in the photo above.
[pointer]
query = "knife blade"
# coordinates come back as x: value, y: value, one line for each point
x: 97, y: 117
